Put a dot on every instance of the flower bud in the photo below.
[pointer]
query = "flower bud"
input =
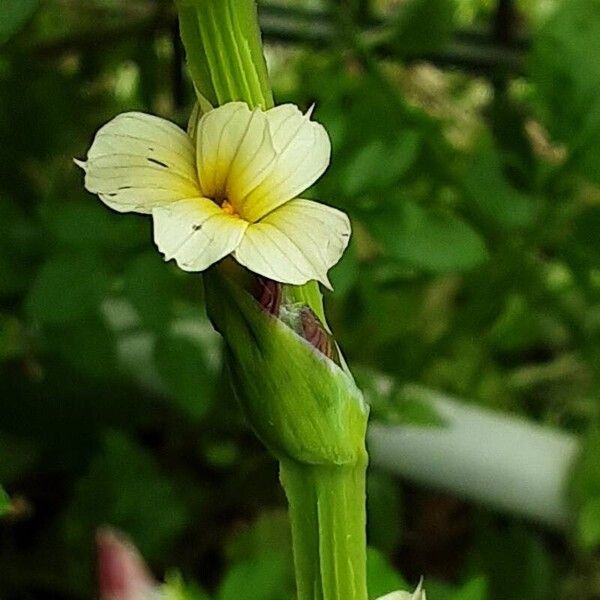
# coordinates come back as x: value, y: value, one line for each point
x: 301, y: 404
x: 122, y: 573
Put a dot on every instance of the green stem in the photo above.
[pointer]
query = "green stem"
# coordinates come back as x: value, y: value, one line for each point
x: 327, y: 514
x: 224, y: 51
x: 327, y: 502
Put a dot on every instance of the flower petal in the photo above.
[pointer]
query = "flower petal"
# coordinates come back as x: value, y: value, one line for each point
x: 296, y: 242
x: 418, y: 594
x: 139, y: 161
x: 302, y: 150
x: 233, y: 146
x: 196, y: 233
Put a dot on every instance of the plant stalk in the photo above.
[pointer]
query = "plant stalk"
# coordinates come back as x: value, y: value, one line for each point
x: 326, y: 500
x: 327, y: 515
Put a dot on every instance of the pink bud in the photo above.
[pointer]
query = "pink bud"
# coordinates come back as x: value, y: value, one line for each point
x: 122, y: 573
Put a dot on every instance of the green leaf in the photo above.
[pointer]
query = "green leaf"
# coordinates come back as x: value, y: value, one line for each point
x: 588, y: 524
x: 584, y: 484
x: 5, y: 503
x: 270, y: 532
x: 263, y: 578
x: 126, y: 488
x: 489, y: 193
x: 182, y: 364
x: 584, y: 488
x: 150, y: 286
x: 382, y: 577
x: 565, y: 70
x: 364, y: 172
x: 174, y: 588
x: 474, y: 589
x: 14, y: 15
x: 67, y: 288
x: 90, y: 225
x: 426, y: 239
x: 394, y: 405
x: 344, y: 275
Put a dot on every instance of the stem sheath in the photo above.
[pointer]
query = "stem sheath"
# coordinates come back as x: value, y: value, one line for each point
x: 327, y: 514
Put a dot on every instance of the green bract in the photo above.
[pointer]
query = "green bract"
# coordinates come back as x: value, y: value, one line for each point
x: 301, y: 404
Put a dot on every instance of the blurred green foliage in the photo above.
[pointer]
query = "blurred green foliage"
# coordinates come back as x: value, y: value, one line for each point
x: 473, y: 269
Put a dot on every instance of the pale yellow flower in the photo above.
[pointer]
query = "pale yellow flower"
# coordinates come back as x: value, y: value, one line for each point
x: 418, y: 594
x: 232, y: 188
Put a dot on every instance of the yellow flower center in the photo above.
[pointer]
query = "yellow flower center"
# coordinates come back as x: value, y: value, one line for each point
x: 229, y: 209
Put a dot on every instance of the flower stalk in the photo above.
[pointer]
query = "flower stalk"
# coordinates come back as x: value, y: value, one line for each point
x: 301, y: 403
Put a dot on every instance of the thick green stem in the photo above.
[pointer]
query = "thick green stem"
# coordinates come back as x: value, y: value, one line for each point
x: 224, y: 51
x: 327, y: 514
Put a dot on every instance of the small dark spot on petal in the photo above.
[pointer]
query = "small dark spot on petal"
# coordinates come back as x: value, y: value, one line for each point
x: 196, y: 227
x: 158, y: 162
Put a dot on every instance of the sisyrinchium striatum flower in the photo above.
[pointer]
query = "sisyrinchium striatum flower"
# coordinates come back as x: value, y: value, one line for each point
x: 229, y: 186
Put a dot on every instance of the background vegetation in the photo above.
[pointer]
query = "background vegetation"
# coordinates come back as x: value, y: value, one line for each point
x: 466, y: 139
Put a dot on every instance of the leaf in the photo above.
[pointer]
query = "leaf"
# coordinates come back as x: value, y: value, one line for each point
x: 125, y: 488
x: 262, y: 578
x: 426, y: 239
x: 584, y: 488
x: 14, y: 16
x: 364, y: 172
x: 90, y: 225
x: 414, y: 407
x: 182, y: 364
x: 5, y: 503
x: 394, y: 405
x: 474, y: 589
x: 588, y: 524
x: 489, y: 193
x: 565, y: 70
x: 150, y: 286
x: 344, y: 275
x: 174, y: 588
x: 270, y: 532
x: 584, y: 483
x: 67, y: 288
